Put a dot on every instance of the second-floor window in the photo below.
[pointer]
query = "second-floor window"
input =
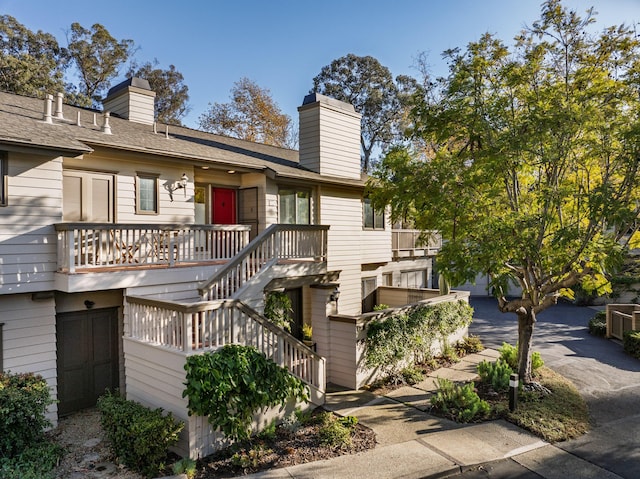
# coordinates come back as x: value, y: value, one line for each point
x: 147, y: 201
x: 295, y: 206
x: 372, y: 219
x: 3, y: 177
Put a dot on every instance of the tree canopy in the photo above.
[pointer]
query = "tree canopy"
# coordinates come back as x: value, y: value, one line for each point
x: 30, y: 62
x: 172, y: 94
x: 250, y: 115
x: 369, y: 87
x: 98, y: 57
x: 531, y: 172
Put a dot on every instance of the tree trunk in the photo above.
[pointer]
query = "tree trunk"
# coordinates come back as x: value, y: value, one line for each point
x: 526, y: 322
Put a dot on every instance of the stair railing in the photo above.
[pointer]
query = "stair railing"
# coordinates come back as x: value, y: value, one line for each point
x: 277, y: 242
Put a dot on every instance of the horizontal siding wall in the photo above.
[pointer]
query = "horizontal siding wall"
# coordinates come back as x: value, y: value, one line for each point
x: 376, y: 246
x: 27, y: 237
x: 342, y: 210
x: 330, y: 140
x: 29, y: 339
x: 125, y: 168
x: 341, y: 364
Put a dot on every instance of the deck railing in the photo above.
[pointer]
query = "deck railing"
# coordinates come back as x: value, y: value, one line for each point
x: 277, y: 242
x: 414, y: 243
x: 209, y: 325
x: 104, y: 245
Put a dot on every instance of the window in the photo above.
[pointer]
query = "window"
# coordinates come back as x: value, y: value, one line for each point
x: 3, y: 178
x: 372, y: 219
x: 147, y: 194
x: 295, y: 206
x: 413, y: 279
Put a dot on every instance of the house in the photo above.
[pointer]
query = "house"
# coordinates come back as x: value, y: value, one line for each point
x: 126, y: 246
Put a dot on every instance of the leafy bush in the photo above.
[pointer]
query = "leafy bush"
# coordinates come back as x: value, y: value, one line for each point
x: 249, y: 458
x: 412, y: 375
x: 380, y: 307
x: 278, y: 310
x: 597, y: 328
x: 140, y: 436
x: 631, y: 343
x: 232, y: 384
x: 23, y: 404
x: 468, y: 345
x: 598, y: 324
x: 185, y: 466
x: 461, y: 403
x: 36, y: 461
x: 497, y: 374
x: 509, y: 354
x: 408, y: 336
x: 336, y: 432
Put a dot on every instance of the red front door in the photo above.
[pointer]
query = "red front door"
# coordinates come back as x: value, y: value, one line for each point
x: 223, y: 211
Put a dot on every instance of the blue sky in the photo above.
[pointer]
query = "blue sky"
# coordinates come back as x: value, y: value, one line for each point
x: 283, y: 44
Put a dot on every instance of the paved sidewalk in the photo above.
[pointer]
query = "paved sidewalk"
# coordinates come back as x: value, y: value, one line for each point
x: 414, y: 444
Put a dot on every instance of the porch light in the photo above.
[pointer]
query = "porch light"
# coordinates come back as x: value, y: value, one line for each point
x: 177, y: 185
x: 335, y: 295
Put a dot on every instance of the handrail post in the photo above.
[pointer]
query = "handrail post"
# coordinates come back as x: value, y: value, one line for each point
x: 170, y: 246
x: 187, y: 325
x: 71, y: 240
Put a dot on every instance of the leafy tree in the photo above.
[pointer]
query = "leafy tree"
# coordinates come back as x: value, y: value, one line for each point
x: 250, y: 115
x: 171, y: 92
x: 370, y: 88
x: 533, y: 172
x: 98, y: 56
x: 30, y: 63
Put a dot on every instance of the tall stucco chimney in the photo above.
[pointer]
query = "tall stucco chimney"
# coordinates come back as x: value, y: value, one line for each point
x: 329, y: 137
x: 133, y: 100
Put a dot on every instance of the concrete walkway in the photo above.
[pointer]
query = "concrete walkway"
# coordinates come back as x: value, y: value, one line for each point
x: 414, y: 444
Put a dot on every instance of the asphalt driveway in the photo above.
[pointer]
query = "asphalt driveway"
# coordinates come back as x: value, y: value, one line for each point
x: 605, y: 375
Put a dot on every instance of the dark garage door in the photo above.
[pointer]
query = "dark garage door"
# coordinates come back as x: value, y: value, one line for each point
x: 87, y: 357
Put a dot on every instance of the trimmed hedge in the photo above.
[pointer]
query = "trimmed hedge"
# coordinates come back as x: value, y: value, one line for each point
x: 140, y: 436
x: 631, y: 343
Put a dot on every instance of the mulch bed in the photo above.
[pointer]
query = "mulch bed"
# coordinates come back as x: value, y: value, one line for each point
x: 286, y: 448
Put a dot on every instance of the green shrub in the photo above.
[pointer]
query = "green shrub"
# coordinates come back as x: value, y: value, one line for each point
x: 460, y: 403
x: 36, y: 461
x: 335, y: 434
x: 185, y: 466
x: 269, y: 432
x: 278, y: 310
x: 249, y: 458
x: 23, y: 404
x: 497, y: 374
x: 411, y: 375
x: 631, y: 343
x: 232, y: 384
x: 468, y: 345
x: 598, y: 324
x: 380, y: 307
x: 509, y: 354
x: 140, y: 436
x: 348, y: 421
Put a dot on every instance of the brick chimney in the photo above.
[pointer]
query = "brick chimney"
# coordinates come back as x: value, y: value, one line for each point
x: 329, y: 141
x: 132, y: 100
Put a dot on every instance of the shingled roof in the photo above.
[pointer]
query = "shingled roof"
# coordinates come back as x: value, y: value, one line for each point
x: 22, y: 125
